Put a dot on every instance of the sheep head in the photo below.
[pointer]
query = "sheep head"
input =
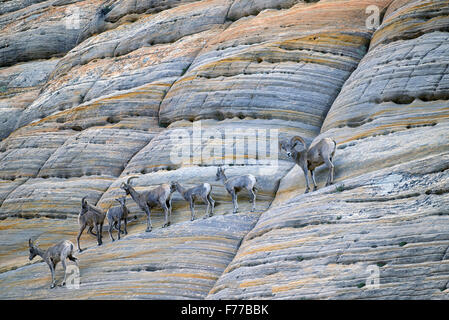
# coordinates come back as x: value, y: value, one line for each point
x: 126, y: 185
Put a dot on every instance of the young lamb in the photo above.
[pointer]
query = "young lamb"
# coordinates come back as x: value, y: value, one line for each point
x: 235, y: 184
x: 201, y: 191
x: 59, y: 252
x: 92, y: 217
x: 310, y: 158
x: 116, y: 215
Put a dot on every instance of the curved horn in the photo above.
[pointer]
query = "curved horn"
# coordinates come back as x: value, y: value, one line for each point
x: 294, y: 140
x: 129, y: 179
x: 83, y: 199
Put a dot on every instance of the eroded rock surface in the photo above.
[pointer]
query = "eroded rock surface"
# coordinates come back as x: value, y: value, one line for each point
x: 169, y: 90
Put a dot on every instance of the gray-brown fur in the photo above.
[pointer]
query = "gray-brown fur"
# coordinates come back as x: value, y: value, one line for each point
x: 159, y: 196
x: 115, y: 216
x: 310, y: 158
x: 92, y: 217
x: 201, y: 191
x: 53, y: 255
x: 236, y: 184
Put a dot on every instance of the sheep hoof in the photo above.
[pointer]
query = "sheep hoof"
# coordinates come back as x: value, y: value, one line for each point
x: 315, y: 188
x: 307, y: 191
x: 52, y: 286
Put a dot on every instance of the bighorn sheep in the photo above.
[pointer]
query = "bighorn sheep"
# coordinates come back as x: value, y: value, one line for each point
x: 310, y: 158
x: 92, y: 217
x: 59, y: 252
x: 147, y: 200
x: 116, y: 215
x: 201, y: 191
x: 235, y: 184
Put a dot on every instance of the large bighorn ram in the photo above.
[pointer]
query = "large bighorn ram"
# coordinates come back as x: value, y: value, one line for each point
x: 235, y: 184
x: 310, y: 158
x: 92, y: 217
x: 59, y: 252
x: 147, y: 200
x: 201, y: 191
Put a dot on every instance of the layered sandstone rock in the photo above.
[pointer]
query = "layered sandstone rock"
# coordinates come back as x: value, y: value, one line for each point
x: 167, y: 91
x: 386, y: 214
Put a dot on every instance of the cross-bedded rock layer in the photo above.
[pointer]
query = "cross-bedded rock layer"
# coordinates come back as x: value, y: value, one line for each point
x: 140, y: 81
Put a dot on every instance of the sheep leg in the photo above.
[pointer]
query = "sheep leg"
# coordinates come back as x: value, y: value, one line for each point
x: 168, y: 203
x: 65, y: 269
x: 93, y: 234
x: 97, y: 228
x: 126, y: 231
x: 111, y: 224
x: 330, y: 165
x: 252, y: 199
x: 72, y: 258
x: 306, y: 175
x: 312, y: 173
x: 164, y: 206
x: 52, y: 270
x: 192, y: 210
x: 119, y: 228
x: 255, y: 196
x: 170, y: 206
x: 115, y: 227
x: 234, y: 201
x: 149, y: 225
x: 79, y: 236
x: 101, y: 232
x: 206, y: 201
x: 212, y: 202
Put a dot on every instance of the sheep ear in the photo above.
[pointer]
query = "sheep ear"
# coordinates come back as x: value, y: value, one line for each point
x: 281, y: 144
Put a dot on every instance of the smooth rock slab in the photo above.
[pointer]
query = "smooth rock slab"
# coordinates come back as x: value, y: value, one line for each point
x: 179, y: 262
x: 42, y: 32
x: 54, y: 197
x: 19, y: 87
x: 322, y: 245
x: 287, y: 64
